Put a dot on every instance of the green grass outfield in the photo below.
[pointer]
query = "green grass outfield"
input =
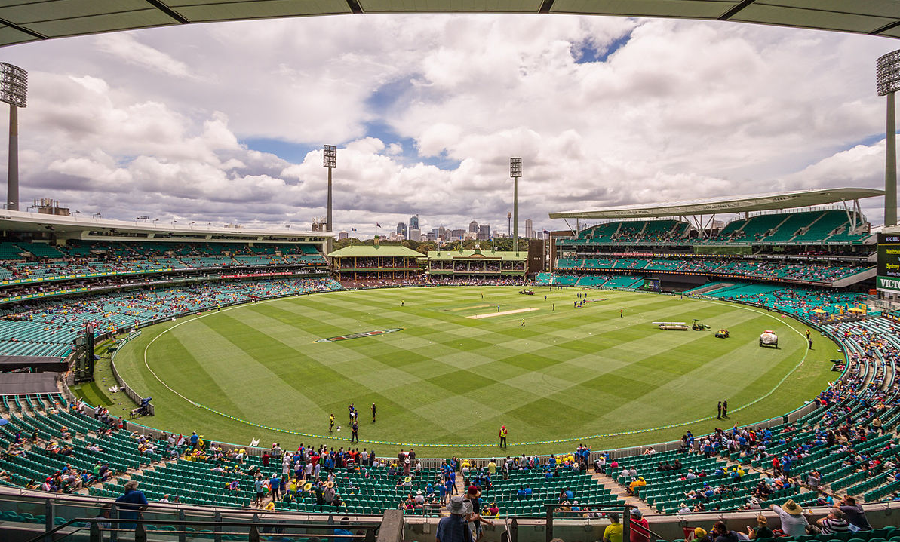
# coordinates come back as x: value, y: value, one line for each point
x: 448, y: 379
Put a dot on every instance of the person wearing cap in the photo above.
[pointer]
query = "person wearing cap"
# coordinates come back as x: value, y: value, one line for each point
x: 793, y: 523
x: 762, y: 529
x: 473, y: 497
x: 131, y: 503
x: 639, y: 527
x: 503, y: 433
x: 613, y: 531
x: 635, y: 485
x: 453, y: 528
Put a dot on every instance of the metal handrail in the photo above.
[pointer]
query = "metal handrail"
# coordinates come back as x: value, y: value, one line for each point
x: 254, y: 525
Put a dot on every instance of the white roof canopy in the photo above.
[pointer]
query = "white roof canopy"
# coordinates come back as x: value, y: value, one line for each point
x: 29, y: 20
x: 741, y: 204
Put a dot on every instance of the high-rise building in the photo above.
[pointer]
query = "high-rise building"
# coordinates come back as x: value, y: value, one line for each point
x: 529, y: 228
x: 473, y: 226
x: 414, y: 222
x: 401, y: 229
x: 415, y: 235
x: 457, y: 235
x: 484, y: 232
x: 343, y: 235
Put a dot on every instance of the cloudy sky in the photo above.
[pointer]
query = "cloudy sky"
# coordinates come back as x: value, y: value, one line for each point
x: 225, y: 122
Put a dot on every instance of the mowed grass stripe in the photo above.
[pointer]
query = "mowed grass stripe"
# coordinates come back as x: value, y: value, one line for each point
x: 446, y: 378
x: 263, y: 373
x: 193, y: 367
x: 339, y: 381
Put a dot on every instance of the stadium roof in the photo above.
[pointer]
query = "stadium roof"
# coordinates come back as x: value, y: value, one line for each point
x: 369, y: 251
x: 31, y: 20
x: 77, y: 226
x: 477, y: 254
x: 741, y: 204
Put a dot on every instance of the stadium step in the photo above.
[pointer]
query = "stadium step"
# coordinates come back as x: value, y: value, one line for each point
x: 620, y: 493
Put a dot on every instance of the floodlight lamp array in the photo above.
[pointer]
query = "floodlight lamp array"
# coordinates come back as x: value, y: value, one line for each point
x: 515, y: 167
x: 13, y: 84
x: 330, y: 159
x: 888, y: 73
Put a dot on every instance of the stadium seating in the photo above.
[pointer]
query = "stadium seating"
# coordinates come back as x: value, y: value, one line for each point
x: 800, y: 302
x: 88, y: 258
x: 763, y: 269
x: 832, y: 226
x: 848, y: 440
x: 49, y: 327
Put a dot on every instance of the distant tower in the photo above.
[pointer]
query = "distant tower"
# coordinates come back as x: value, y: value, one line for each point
x: 529, y: 228
x: 13, y: 87
x: 414, y: 222
x: 515, y: 171
x: 888, y: 83
x: 401, y: 229
x: 330, y: 161
x: 473, y: 226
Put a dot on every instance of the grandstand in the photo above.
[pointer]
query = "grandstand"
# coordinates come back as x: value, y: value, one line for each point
x: 808, y: 238
x: 55, y: 287
x: 378, y: 264
x: 60, y: 274
x: 476, y: 265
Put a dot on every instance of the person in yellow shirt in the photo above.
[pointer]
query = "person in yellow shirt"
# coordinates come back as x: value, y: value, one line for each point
x: 633, y: 486
x: 613, y: 531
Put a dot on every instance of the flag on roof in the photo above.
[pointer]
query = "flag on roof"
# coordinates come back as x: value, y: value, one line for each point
x: 377, y: 225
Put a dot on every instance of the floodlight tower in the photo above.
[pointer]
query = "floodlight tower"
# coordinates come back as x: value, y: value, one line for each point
x: 330, y: 163
x: 13, y: 87
x: 888, y: 83
x: 515, y: 171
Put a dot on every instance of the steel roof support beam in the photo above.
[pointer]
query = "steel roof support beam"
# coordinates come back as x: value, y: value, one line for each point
x: 739, y: 7
x: 160, y: 5
x: 23, y: 29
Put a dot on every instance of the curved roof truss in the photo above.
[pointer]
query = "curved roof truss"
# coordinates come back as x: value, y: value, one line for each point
x: 741, y: 204
x: 32, y: 20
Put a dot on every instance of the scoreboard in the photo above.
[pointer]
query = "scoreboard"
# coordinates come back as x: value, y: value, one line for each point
x: 889, y: 262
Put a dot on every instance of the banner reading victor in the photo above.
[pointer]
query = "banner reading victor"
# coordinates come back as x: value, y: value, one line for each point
x: 889, y: 262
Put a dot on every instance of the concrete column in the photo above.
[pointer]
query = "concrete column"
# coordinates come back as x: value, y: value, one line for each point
x: 516, y: 217
x: 890, y: 166
x: 12, y: 186
x: 328, y: 223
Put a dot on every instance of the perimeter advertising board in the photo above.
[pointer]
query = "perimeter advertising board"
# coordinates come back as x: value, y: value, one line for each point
x: 889, y: 262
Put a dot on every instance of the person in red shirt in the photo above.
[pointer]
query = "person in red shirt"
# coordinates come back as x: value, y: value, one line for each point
x: 639, y: 527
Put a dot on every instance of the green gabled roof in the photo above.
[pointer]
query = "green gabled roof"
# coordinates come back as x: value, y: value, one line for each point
x: 522, y: 255
x: 367, y: 251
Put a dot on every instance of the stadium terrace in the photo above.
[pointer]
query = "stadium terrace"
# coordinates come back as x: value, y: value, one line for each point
x: 73, y: 288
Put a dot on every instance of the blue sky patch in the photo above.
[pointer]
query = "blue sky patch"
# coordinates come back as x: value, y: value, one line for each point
x: 587, y: 52
x: 294, y: 153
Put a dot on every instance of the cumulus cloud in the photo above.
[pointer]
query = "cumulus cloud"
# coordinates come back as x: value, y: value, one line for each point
x: 426, y: 111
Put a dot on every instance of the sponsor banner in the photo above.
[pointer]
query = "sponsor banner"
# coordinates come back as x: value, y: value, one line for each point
x: 359, y: 335
x: 249, y: 276
x: 888, y: 256
x: 889, y: 284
